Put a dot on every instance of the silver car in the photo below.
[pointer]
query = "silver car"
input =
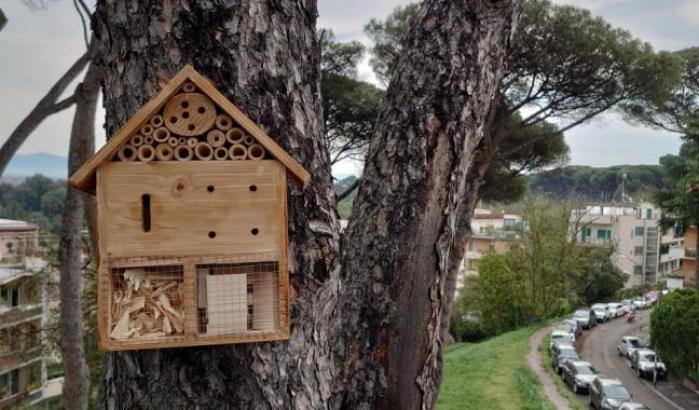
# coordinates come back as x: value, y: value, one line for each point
x: 627, y: 345
x: 602, y: 312
x: 644, y: 360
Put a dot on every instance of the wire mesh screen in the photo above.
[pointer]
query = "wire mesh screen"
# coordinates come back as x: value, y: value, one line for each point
x: 235, y: 298
x: 147, y: 303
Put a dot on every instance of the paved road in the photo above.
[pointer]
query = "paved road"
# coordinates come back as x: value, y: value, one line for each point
x: 599, y: 347
x: 534, y: 363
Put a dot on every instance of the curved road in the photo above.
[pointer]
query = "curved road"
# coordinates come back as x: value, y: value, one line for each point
x: 599, y: 348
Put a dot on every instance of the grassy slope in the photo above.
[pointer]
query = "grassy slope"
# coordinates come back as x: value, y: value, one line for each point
x: 491, y: 375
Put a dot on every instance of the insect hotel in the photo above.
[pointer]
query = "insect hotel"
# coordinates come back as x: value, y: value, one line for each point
x: 192, y: 223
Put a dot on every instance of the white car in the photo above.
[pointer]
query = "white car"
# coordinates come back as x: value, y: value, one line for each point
x: 640, y: 303
x: 560, y: 335
x: 616, y: 309
x: 627, y: 305
x: 602, y: 312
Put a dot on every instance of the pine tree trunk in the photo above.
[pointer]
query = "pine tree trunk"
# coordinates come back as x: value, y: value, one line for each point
x: 76, y: 388
x: 365, y: 333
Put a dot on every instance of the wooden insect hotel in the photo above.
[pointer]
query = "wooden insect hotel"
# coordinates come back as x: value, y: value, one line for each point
x: 192, y: 224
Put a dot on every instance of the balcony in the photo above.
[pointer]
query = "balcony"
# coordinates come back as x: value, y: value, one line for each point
x: 19, y: 314
x: 690, y: 254
x: 8, y: 400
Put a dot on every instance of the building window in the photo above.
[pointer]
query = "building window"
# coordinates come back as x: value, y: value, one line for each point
x: 649, y: 213
x: 637, y: 270
x: 10, y: 296
x: 639, y: 231
x: 604, y: 234
x: 638, y: 250
x: 586, y: 233
x: 470, y: 245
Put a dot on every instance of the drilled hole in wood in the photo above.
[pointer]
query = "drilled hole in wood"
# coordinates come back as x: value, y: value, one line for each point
x: 185, y: 104
x: 185, y: 114
x: 210, y: 188
x: 212, y: 234
x: 180, y: 186
x: 173, y: 119
x: 255, y: 231
x: 253, y: 188
x: 145, y: 212
x: 191, y: 127
x: 201, y: 110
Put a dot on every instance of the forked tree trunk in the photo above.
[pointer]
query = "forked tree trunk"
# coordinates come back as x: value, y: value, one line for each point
x: 365, y: 333
x: 76, y: 389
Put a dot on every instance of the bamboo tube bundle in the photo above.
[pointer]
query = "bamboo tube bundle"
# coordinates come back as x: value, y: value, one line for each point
x: 256, y: 152
x: 147, y: 129
x: 216, y: 138
x: 249, y: 140
x: 127, y: 153
x: 145, y: 153
x: 164, y: 152
x: 182, y: 141
x: 161, y: 134
x: 148, y: 140
x: 192, y: 142
x: 137, y: 140
x: 189, y: 88
x: 238, y: 152
x: 224, y: 122
x: 156, y: 121
x: 203, y: 151
x: 221, y: 154
x: 183, y: 153
x: 235, y: 135
x: 173, y: 142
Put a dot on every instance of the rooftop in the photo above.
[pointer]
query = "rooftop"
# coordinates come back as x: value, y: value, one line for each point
x: 11, y: 225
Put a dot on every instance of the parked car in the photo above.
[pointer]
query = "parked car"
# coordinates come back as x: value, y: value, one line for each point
x: 627, y: 305
x: 633, y: 406
x: 602, y: 312
x: 578, y: 375
x: 560, y: 354
x: 640, y: 303
x: 573, y: 326
x: 559, y: 335
x: 644, y: 360
x: 608, y: 394
x: 652, y: 297
x: 616, y: 309
x: 586, y: 318
x: 627, y: 345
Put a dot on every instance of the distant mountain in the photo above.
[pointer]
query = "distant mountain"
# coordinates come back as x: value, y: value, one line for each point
x: 50, y: 165
x: 599, y: 184
x: 343, y: 184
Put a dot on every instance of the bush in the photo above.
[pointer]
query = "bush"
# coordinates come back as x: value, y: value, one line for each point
x: 675, y: 331
x: 471, y: 331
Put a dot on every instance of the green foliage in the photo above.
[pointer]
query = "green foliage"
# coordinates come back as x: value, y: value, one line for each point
x: 599, y: 280
x: 37, y: 199
x: 497, y: 294
x: 491, y: 375
x: 675, y: 331
x: 598, y: 184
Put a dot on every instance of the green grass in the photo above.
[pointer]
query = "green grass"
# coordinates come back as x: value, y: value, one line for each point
x: 562, y: 388
x: 344, y: 208
x: 491, y: 375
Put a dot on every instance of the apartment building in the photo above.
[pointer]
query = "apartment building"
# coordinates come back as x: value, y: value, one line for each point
x: 689, y: 257
x: 492, y: 232
x: 22, y: 315
x: 642, y: 248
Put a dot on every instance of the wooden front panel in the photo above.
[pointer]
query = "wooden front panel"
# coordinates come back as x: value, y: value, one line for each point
x: 242, y: 204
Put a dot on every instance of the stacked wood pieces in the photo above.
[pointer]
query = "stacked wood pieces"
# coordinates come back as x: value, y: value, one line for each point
x: 191, y: 127
x: 146, y: 306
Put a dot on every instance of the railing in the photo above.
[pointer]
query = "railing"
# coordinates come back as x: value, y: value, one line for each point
x: 19, y: 314
x: 9, y: 400
x: 690, y: 253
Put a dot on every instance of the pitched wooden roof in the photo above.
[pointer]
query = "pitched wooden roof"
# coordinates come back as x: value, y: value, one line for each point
x: 84, y: 178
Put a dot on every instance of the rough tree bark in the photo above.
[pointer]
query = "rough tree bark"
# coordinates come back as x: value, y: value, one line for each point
x: 365, y: 333
x: 76, y: 388
x: 47, y: 106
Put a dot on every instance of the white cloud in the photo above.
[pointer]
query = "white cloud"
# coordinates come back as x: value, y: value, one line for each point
x: 689, y: 12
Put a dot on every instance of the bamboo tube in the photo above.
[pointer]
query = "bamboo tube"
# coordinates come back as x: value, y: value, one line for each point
x: 192, y: 142
x: 249, y: 140
x: 216, y: 138
x: 238, y: 152
x: 221, y: 154
x: 182, y: 141
x: 137, y: 140
x: 256, y: 152
x: 224, y: 122
x: 146, y: 153
x: 189, y: 88
x: 183, y: 153
x: 127, y: 153
x: 203, y: 151
x: 235, y: 135
x: 172, y: 141
x: 164, y: 152
x: 156, y: 121
x: 148, y: 140
x: 147, y: 129
x: 161, y: 134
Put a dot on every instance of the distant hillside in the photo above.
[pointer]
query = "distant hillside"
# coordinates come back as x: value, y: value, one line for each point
x: 598, y: 184
x: 343, y: 184
x: 24, y: 165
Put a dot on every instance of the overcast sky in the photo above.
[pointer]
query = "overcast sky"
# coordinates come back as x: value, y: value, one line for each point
x: 37, y: 46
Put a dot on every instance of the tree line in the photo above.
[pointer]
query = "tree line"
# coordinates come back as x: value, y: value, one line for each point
x: 36, y: 199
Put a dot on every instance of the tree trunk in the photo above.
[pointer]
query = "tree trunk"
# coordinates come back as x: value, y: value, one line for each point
x: 3, y: 20
x: 405, y: 221
x: 76, y: 388
x: 365, y: 333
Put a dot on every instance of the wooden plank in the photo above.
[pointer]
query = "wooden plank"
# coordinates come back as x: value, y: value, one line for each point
x: 283, y: 304
x: 298, y: 173
x: 190, y: 294
x: 249, y: 337
x: 226, y: 301
x: 84, y: 178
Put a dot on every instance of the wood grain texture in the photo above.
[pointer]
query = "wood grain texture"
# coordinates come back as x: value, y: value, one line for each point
x: 189, y: 114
